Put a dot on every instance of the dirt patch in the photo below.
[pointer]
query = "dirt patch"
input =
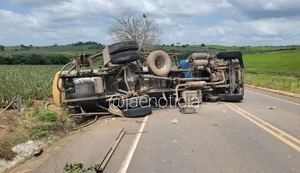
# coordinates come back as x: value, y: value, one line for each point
x: 21, y: 133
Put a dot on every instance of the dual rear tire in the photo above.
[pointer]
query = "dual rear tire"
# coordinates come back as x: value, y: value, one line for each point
x: 124, y: 52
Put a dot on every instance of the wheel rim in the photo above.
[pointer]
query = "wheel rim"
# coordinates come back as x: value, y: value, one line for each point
x: 160, y: 63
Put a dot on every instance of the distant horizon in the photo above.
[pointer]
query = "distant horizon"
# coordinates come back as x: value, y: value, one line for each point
x: 70, y: 44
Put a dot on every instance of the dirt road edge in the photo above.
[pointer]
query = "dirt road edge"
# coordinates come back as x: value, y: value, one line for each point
x: 275, y: 91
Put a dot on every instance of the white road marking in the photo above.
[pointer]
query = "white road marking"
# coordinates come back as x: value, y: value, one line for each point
x: 274, y: 98
x: 133, y: 146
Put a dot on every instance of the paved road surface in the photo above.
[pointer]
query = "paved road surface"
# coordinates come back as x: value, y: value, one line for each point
x: 222, y: 137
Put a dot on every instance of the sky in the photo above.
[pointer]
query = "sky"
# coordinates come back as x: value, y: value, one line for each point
x: 217, y: 22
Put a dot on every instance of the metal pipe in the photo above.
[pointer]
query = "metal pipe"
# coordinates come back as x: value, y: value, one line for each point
x: 220, y: 82
x: 176, y: 91
x: 199, y: 84
x: 125, y: 79
x: 95, y: 56
x: 221, y: 68
x: 157, y: 77
x: 89, y: 114
x: 57, y: 83
x: 196, y: 78
x: 178, y: 79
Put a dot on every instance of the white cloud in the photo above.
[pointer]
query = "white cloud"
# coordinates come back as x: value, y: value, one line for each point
x: 231, y: 32
x: 231, y: 22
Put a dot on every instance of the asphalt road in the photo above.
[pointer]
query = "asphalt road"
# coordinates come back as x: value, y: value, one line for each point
x: 222, y: 137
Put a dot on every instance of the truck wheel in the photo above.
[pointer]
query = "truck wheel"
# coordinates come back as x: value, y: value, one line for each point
x: 231, y: 97
x: 123, y: 57
x: 122, y: 46
x: 159, y: 63
x: 229, y: 54
x: 137, y: 112
x: 134, y: 102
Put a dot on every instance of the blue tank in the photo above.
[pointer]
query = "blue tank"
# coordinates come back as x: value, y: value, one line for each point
x: 184, y: 64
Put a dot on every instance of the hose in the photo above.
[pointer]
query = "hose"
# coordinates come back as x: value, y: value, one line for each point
x: 87, y: 124
x: 57, y: 83
x: 13, y: 100
x: 93, y: 121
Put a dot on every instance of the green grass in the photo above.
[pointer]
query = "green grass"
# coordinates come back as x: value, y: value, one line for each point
x: 279, y: 82
x: 68, y: 50
x: 284, y: 62
x: 32, y: 125
x: 274, y: 70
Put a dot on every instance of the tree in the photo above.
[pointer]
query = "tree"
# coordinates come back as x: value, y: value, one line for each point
x: 2, y: 48
x: 172, y: 45
x: 131, y: 27
x: 202, y: 45
x: 242, y: 48
x: 178, y: 43
x: 2, y: 60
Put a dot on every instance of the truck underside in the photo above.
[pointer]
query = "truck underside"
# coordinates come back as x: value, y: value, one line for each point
x: 129, y: 76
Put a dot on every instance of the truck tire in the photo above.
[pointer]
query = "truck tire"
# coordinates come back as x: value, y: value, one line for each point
x: 229, y: 54
x: 122, y: 46
x: 231, y: 97
x: 137, y: 112
x: 123, y: 57
x: 134, y: 102
x: 159, y: 63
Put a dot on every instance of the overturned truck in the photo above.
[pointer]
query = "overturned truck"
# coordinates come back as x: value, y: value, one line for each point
x: 128, y: 79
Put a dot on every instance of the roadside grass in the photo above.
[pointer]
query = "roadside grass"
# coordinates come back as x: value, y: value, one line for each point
x: 279, y: 82
x: 15, y: 134
x: 276, y: 71
x: 36, y: 124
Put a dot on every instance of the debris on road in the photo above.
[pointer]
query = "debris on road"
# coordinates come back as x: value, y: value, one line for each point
x: 272, y: 107
x: 215, y: 124
x: 38, y: 151
x: 187, y: 110
x: 224, y: 112
x: 100, y: 168
x: 175, y: 121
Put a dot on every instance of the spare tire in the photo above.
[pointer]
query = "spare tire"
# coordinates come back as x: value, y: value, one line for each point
x: 122, y: 46
x: 159, y: 63
x: 134, y: 102
x: 229, y: 54
x: 137, y: 112
x: 124, y: 57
